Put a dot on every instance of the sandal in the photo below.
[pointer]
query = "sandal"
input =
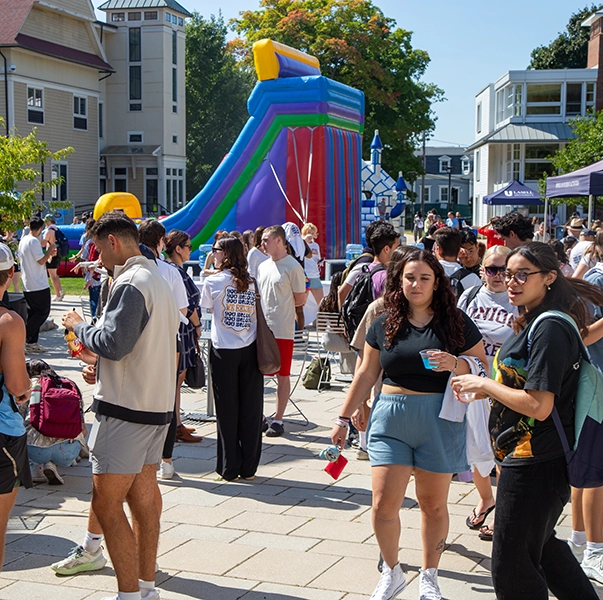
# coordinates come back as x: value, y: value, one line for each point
x: 472, y: 520
x: 486, y: 533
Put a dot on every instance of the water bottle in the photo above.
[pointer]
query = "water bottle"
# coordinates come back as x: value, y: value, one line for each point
x: 352, y: 251
x: 204, y: 250
x: 189, y: 272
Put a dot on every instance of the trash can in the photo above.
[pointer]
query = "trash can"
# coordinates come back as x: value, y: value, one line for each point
x: 17, y: 302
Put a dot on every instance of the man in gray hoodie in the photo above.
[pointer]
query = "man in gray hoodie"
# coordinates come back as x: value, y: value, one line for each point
x: 135, y: 341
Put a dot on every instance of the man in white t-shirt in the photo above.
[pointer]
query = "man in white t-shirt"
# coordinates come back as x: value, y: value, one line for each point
x: 447, y: 247
x: 587, y: 237
x: 283, y: 287
x: 35, y: 283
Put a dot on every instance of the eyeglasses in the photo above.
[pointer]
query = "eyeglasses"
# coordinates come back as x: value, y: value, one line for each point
x: 520, y: 277
x: 189, y: 246
x: 493, y: 271
x: 217, y: 249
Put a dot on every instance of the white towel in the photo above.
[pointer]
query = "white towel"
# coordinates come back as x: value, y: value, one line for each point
x: 453, y: 409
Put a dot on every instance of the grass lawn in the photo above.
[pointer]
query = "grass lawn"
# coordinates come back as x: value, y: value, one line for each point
x: 72, y: 286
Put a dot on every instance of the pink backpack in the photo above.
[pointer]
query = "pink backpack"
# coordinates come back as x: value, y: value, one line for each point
x: 55, y: 409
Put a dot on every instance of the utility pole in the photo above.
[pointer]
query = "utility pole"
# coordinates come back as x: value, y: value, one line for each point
x: 449, y: 168
x: 423, y: 178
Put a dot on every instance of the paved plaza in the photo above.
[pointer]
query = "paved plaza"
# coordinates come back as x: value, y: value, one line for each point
x: 292, y: 533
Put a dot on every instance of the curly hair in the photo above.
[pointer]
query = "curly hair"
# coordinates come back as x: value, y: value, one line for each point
x: 235, y: 260
x: 514, y: 222
x: 448, y: 323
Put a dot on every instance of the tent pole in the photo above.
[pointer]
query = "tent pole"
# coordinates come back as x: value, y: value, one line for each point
x: 546, y: 212
x: 590, y: 210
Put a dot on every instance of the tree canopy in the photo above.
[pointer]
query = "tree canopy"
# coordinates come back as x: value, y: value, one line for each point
x: 20, y: 181
x: 217, y: 88
x: 569, y: 50
x: 358, y: 45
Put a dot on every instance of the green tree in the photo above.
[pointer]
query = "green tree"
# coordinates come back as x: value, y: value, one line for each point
x: 217, y: 88
x: 358, y: 45
x: 583, y: 150
x: 20, y: 181
x: 569, y: 50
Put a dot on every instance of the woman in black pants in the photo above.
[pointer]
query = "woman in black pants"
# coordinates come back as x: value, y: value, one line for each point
x: 528, y: 384
x: 237, y: 381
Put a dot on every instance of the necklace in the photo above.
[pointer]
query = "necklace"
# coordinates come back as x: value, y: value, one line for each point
x: 418, y: 323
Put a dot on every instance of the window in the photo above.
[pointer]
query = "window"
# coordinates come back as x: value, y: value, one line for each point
x: 508, y: 102
x: 101, y: 124
x: 543, y: 99
x: 120, y: 179
x: 174, y: 139
x: 168, y: 17
x: 478, y: 165
x: 427, y: 194
x: 590, y: 95
x: 118, y: 17
x: 513, y: 162
x: 465, y: 165
x: 478, y: 118
x: 59, y: 191
x: 135, y: 82
x: 150, y: 15
x: 174, y: 47
x: 573, y: 99
x: 174, y: 189
x: 135, y: 137
x: 444, y: 163
x: 180, y: 21
x: 443, y: 194
x: 80, y: 118
x: 536, y: 163
x: 134, y: 16
x: 134, y: 44
x: 135, y: 107
x: 174, y: 85
x: 35, y: 106
x: 174, y: 19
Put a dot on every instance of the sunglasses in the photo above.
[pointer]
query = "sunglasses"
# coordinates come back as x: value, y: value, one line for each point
x: 217, y: 249
x: 189, y: 246
x: 494, y: 271
x: 520, y: 277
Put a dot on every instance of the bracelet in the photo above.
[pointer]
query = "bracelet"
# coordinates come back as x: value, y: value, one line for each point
x: 348, y: 419
x: 197, y: 326
x: 456, y: 358
x: 342, y: 423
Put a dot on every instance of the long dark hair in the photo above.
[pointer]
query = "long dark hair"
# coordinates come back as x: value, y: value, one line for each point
x: 448, y: 323
x: 235, y: 260
x: 566, y: 294
x: 595, y: 250
x: 330, y: 302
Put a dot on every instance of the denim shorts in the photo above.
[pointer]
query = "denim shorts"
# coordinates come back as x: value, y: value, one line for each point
x: 406, y: 430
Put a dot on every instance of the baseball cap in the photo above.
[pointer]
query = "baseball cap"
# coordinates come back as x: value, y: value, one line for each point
x: 586, y: 232
x: 6, y: 258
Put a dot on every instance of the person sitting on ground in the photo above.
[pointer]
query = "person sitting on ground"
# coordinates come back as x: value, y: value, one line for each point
x: 514, y: 229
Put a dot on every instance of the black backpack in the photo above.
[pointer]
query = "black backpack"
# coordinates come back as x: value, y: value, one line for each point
x: 456, y: 278
x: 62, y: 243
x: 357, y: 301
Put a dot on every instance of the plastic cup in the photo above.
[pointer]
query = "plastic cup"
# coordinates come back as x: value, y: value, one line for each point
x: 426, y: 358
x: 467, y: 396
x: 335, y: 468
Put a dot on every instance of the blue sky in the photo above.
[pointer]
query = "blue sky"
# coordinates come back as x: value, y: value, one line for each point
x: 470, y: 43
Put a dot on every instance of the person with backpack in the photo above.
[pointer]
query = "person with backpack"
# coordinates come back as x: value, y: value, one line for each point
x: 447, y: 247
x: 489, y: 308
x: 365, y: 283
x: 535, y: 382
x: 15, y: 389
x: 50, y: 237
x: 406, y: 436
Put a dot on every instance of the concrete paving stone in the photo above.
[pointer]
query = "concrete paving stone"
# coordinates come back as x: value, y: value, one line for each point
x: 27, y: 495
x: 197, y: 497
x: 40, y: 591
x: 284, y: 566
x: 264, y: 522
x: 201, y: 451
x: 53, y: 541
x: 63, y: 500
x: 347, y: 575
x: 469, y: 544
x: 34, y: 568
x: 103, y: 580
x: 272, y: 540
x: 352, y: 549
x: 194, y: 467
x: 333, y: 530
x: 200, y: 532
x: 186, y: 585
x: 260, y: 503
x: 271, y: 470
x: 304, y: 478
x: 190, y: 514
x: 338, y: 511
x: 11, y: 556
x: 354, y: 483
x: 314, y: 495
x: 273, y: 591
x: 206, y: 556
x: 65, y: 518
x: 454, y: 586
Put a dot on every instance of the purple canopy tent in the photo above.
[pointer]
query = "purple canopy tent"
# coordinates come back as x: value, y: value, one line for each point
x: 587, y: 181
x: 514, y: 193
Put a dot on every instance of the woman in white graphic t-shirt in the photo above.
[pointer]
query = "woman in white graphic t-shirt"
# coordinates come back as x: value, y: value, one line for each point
x: 238, y: 384
x: 489, y: 307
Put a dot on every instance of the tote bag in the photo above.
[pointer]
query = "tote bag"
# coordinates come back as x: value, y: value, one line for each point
x: 269, y: 356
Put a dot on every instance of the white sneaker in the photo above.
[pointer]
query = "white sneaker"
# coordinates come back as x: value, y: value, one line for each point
x: 166, y: 470
x: 151, y: 595
x: 392, y: 582
x: 361, y: 454
x: 80, y: 560
x: 428, y: 585
x: 592, y: 565
x: 577, y: 549
x: 50, y: 470
x: 37, y: 473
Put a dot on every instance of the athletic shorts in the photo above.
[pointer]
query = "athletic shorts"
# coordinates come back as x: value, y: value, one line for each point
x: 315, y: 283
x: 406, y: 430
x: 285, y: 348
x: 54, y: 263
x: 123, y: 448
x: 14, y: 463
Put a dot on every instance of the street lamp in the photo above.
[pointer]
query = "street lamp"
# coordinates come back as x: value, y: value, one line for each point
x: 449, y: 169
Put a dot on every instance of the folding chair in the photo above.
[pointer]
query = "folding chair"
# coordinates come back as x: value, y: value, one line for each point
x: 331, y: 339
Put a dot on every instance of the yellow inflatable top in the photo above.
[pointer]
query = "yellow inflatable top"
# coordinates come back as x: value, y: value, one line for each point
x: 274, y: 60
x: 118, y: 201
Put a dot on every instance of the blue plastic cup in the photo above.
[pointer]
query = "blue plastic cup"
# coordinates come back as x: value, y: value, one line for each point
x: 426, y: 358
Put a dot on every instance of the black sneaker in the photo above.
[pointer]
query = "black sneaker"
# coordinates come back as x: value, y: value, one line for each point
x: 265, y: 424
x: 275, y: 430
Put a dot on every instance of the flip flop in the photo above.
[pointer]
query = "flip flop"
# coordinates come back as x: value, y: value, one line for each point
x: 475, y: 524
x: 486, y: 533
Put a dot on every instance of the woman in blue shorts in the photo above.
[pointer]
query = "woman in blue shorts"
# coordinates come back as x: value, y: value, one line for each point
x: 405, y: 434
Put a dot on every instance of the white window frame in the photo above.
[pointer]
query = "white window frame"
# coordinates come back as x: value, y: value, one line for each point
x: 54, y: 190
x: 79, y: 115
x: 174, y: 138
x: 445, y: 161
x: 465, y: 165
x: 140, y: 133
x: 478, y: 118
x: 32, y: 107
x: 478, y: 165
x: 427, y: 194
x: 441, y: 199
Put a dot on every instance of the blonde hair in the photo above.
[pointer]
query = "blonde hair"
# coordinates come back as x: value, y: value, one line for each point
x: 494, y: 251
x: 309, y: 228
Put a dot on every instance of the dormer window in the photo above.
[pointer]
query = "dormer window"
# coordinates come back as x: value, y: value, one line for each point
x: 465, y: 165
x: 444, y: 163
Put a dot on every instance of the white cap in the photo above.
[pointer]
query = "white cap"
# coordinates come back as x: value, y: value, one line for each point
x: 6, y: 258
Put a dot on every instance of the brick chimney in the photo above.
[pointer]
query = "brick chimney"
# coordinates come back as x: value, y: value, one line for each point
x: 595, y: 52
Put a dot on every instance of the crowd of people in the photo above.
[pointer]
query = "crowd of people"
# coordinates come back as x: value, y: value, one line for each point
x: 449, y: 378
